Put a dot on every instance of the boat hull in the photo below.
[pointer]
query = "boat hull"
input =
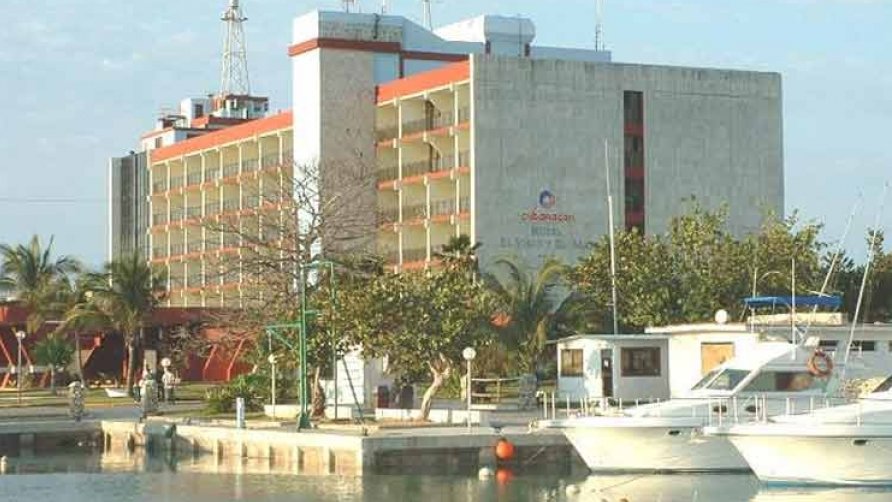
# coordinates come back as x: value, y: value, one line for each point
x: 817, y: 455
x: 652, y: 445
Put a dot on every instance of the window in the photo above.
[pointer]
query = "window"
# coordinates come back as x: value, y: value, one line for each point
x: 633, y: 105
x: 864, y: 345
x: 727, y: 379
x: 785, y: 381
x: 828, y: 345
x: 571, y: 362
x: 641, y: 361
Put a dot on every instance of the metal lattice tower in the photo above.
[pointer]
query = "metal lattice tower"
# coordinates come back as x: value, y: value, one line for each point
x: 428, y: 19
x: 599, y: 25
x: 234, y: 79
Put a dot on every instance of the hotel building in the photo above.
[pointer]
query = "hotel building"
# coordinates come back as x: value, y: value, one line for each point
x: 469, y: 129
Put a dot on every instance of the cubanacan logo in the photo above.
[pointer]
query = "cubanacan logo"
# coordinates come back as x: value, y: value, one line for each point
x: 541, y: 214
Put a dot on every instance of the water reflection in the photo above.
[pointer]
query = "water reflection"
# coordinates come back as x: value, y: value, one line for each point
x: 824, y: 495
x: 688, y: 488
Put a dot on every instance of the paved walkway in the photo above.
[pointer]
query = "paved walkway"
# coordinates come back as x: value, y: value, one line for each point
x: 123, y: 411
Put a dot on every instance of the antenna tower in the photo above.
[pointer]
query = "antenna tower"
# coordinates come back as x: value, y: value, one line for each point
x: 384, y: 6
x: 428, y: 20
x: 349, y: 5
x: 234, y: 79
x: 599, y: 25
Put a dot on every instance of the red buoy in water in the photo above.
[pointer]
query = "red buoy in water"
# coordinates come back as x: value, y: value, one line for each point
x: 504, y: 450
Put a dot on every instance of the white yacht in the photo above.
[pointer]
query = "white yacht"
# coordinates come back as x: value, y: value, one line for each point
x: 774, y: 378
x: 841, y: 445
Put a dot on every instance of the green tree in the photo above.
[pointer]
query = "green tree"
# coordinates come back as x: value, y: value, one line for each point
x: 530, y: 303
x: 36, y: 278
x: 123, y: 297
x: 55, y: 352
x: 421, y: 321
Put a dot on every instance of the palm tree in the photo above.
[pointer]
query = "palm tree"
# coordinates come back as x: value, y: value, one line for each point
x: 122, y: 297
x: 459, y: 252
x: 531, y: 302
x: 36, y: 278
x: 55, y: 352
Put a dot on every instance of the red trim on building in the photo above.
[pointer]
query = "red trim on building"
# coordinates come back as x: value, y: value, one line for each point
x: 452, y: 73
x: 434, y: 56
x: 243, y: 131
x: 339, y: 43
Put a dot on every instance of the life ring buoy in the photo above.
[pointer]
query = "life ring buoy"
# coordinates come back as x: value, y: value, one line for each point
x: 820, y: 364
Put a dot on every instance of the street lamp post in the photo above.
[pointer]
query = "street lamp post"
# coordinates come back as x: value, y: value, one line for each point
x: 469, y: 354
x: 272, y: 364
x: 20, y: 336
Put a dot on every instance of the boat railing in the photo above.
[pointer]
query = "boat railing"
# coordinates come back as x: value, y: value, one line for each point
x: 714, y: 411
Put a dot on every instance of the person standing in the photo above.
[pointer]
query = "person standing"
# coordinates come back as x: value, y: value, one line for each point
x: 169, y: 382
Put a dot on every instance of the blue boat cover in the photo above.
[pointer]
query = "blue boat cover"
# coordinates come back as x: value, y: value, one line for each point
x: 787, y: 301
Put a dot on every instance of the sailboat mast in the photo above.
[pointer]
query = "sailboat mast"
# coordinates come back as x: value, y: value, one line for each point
x: 873, y: 238
x: 612, y: 243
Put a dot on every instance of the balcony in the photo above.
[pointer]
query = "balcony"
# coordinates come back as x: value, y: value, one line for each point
x: 194, y: 178
x: 211, y: 208
x: 270, y: 161
x: 390, y: 256
x: 464, y: 205
x: 193, y: 247
x: 444, y: 163
x: 414, y: 255
x: 441, y: 120
x: 211, y: 175
x: 416, y: 168
x: 415, y: 212
x: 159, y: 252
x: 416, y: 126
x: 287, y: 158
x: 386, y: 133
x: 176, y: 215
x: 388, y: 216
x: 230, y: 170
x: 252, y: 201
x: 176, y: 182
x: 464, y: 158
x: 230, y: 205
x: 159, y: 218
x: 464, y: 114
x: 195, y: 281
x: 193, y: 212
x: 177, y: 249
x: 249, y: 165
x: 389, y: 173
x: 159, y: 187
x: 231, y: 241
x: 442, y: 207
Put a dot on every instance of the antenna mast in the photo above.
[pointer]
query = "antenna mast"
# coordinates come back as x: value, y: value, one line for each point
x: 428, y: 20
x: 599, y: 25
x: 383, y: 6
x: 348, y: 5
x: 234, y: 79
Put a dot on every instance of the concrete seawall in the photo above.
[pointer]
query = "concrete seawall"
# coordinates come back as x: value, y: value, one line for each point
x: 285, y: 450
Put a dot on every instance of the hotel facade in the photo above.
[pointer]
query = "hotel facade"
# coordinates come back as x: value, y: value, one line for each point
x: 469, y: 129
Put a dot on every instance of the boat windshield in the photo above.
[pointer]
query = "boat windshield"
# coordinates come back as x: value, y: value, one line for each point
x: 706, y: 379
x: 785, y: 381
x: 725, y: 379
x: 884, y: 387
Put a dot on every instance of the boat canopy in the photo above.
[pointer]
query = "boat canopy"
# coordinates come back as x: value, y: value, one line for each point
x: 787, y: 301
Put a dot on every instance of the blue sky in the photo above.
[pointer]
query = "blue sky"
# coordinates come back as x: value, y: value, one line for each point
x: 83, y: 80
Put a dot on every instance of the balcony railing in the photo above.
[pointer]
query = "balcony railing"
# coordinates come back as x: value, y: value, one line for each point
x: 159, y: 252
x: 231, y: 241
x: 387, y: 216
x: 195, y: 281
x: 249, y: 165
x: 159, y: 187
x: 177, y: 249
x: 211, y: 208
x: 230, y: 170
x: 391, y: 255
x: 444, y: 163
x: 416, y: 126
x: 414, y: 255
x: 193, y: 247
x: 212, y: 175
x: 287, y: 157
x: 230, y: 205
x: 441, y: 120
x: 176, y: 215
x: 270, y: 161
x: 159, y: 218
x: 416, y: 168
x: 175, y: 283
x: 252, y: 201
x: 193, y: 212
x: 389, y: 173
x: 176, y: 182
x: 415, y: 212
x: 442, y: 207
x: 464, y: 158
x: 194, y: 178
x: 464, y: 205
x: 464, y: 114
x: 386, y: 133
